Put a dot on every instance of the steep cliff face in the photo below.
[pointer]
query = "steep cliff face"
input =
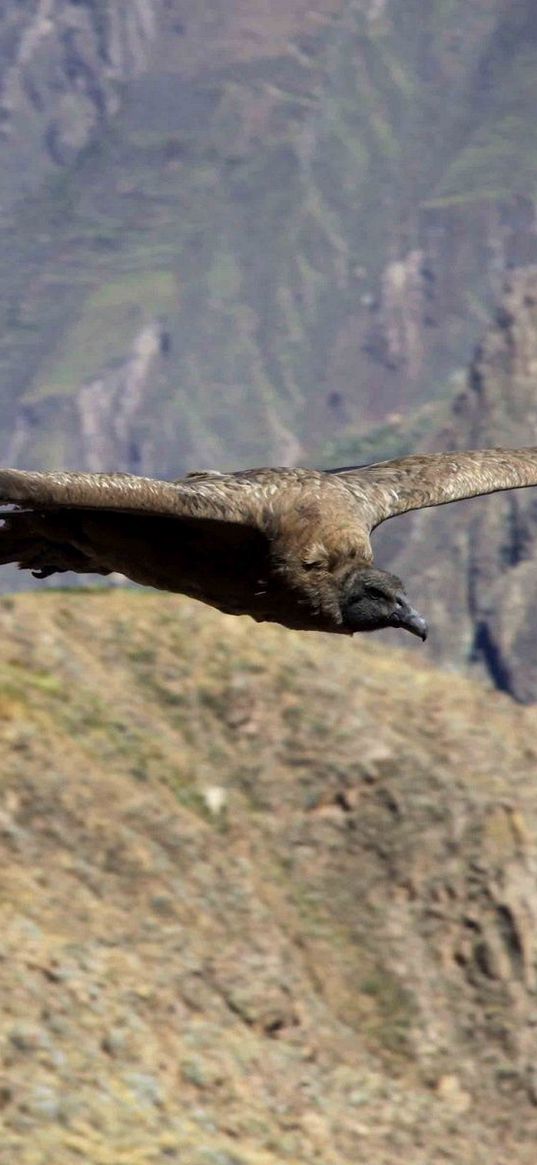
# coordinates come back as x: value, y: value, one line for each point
x: 474, y: 566
x: 317, y: 203
x: 62, y: 66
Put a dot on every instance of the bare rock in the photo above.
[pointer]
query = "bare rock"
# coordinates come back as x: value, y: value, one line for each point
x: 473, y: 566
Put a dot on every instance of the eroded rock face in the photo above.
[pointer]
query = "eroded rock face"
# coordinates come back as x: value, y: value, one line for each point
x: 109, y: 408
x: 63, y: 64
x: 313, y: 177
x: 473, y: 566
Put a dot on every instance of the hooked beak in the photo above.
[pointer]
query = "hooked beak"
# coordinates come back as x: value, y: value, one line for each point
x: 405, y: 616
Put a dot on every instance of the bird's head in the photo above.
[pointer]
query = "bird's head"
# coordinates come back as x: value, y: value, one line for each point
x: 372, y: 599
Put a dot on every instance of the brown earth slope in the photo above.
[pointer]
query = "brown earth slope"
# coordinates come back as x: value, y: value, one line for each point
x: 263, y: 898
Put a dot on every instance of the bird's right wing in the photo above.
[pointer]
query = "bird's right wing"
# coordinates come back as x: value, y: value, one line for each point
x: 100, y: 522
x: 215, y: 497
x: 435, y: 479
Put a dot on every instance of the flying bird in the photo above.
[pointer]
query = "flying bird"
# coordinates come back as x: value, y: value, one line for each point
x: 289, y: 546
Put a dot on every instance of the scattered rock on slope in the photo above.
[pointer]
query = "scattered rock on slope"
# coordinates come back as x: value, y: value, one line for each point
x: 340, y: 963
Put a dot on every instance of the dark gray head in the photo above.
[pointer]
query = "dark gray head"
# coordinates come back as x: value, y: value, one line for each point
x: 372, y: 599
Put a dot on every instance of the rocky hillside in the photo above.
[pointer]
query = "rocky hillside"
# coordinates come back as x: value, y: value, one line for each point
x: 234, y: 232
x: 263, y: 898
x: 473, y: 566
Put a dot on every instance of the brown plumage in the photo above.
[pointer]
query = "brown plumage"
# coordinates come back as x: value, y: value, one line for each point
x: 288, y: 546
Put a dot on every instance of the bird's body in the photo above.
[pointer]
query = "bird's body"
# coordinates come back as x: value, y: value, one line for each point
x: 289, y: 546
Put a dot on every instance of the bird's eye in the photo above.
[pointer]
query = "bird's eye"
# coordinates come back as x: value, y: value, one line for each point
x: 376, y: 593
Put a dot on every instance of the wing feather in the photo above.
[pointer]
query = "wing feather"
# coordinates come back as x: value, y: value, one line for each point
x: 435, y: 479
x: 216, y: 497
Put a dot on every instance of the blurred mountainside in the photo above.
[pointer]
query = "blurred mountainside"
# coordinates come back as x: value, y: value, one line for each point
x: 236, y: 232
x: 473, y: 567
x: 260, y: 901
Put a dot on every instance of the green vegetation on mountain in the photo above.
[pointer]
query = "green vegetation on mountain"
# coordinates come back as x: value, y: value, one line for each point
x: 311, y: 224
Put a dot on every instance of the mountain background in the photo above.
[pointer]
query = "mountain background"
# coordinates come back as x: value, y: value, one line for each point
x: 264, y: 900
x: 244, y: 232
x: 249, y: 233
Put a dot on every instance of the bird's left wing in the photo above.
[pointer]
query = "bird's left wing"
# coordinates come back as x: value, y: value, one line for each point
x: 434, y: 479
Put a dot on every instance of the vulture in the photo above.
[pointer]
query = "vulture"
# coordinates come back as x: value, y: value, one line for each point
x: 289, y: 546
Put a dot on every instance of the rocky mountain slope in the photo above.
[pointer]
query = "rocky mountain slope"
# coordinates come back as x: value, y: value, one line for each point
x: 263, y: 898
x: 308, y: 208
x: 473, y: 566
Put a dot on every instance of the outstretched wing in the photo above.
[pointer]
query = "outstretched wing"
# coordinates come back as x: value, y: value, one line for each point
x: 98, y: 523
x: 434, y: 479
x: 211, y: 496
